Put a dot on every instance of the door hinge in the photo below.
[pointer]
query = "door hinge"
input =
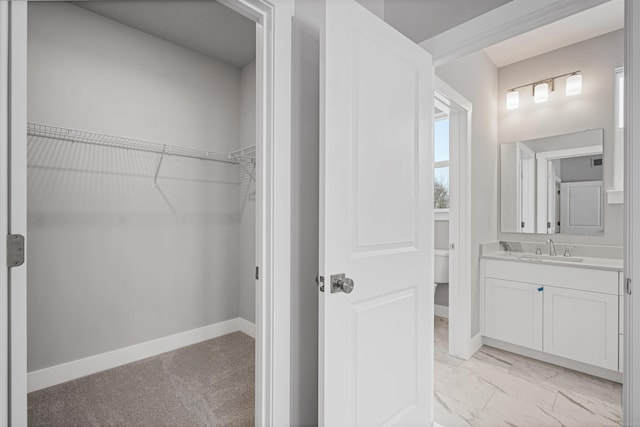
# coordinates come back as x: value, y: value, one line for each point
x: 522, y: 224
x: 257, y: 273
x: 628, y: 286
x: 15, y: 250
x: 320, y: 282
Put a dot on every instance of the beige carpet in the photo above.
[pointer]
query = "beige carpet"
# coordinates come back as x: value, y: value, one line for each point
x: 206, y: 384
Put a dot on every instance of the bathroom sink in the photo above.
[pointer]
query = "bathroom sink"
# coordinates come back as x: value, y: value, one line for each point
x: 534, y: 257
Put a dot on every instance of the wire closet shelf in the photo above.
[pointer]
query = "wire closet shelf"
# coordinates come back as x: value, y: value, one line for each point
x: 40, y: 134
x: 245, y: 155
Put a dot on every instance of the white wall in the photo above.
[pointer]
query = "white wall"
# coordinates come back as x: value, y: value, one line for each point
x: 113, y: 261
x: 593, y: 108
x: 246, y: 273
x: 475, y: 77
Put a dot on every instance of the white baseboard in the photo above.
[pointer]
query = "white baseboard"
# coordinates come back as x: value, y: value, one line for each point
x: 556, y: 360
x: 441, y: 310
x: 58, y: 374
x: 246, y: 327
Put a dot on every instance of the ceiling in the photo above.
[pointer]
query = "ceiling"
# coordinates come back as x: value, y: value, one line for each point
x: 591, y: 23
x: 205, y: 26
x: 214, y: 30
x: 420, y: 20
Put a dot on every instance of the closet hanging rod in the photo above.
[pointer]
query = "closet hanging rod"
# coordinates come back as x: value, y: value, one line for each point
x: 92, y: 138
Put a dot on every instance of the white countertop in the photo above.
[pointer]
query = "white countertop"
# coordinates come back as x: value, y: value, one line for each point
x: 614, y: 264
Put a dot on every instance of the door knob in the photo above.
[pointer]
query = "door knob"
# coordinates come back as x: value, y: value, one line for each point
x: 341, y: 283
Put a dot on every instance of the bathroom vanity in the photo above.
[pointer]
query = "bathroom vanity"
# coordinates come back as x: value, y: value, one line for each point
x: 563, y: 310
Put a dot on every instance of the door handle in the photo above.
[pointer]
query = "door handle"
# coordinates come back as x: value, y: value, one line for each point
x: 341, y: 283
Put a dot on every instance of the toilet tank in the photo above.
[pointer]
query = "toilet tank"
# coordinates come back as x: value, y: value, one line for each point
x: 441, y: 266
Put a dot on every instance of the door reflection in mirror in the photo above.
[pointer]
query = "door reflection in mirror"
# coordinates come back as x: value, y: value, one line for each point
x: 553, y: 185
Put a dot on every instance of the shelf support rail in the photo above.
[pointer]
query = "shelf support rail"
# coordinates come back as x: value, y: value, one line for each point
x: 155, y: 176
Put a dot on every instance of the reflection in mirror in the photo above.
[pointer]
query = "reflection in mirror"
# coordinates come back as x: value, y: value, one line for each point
x: 553, y: 185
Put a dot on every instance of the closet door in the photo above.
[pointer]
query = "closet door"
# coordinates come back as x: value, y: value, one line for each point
x: 13, y: 211
x: 376, y: 229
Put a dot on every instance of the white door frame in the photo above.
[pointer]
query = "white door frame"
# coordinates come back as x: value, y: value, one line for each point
x: 4, y: 210
x: 461, y: 344
x: 631, y: 389
x: 525, y: 168
x: 13, y: 146
x: 520, y: 16
x: 273, y: 252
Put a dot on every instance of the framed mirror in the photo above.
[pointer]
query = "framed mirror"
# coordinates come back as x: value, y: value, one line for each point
x: 553, y: 185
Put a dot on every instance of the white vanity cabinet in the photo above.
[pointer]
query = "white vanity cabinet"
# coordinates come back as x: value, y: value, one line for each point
x: 556, y: 310
x: 515, y: 313
x: 581, y: 326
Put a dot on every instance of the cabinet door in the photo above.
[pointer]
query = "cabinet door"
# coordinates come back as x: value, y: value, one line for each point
x: 513, y: 312
x: 582, y: 326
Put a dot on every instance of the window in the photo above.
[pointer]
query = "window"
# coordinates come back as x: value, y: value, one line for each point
x: 441, y: 162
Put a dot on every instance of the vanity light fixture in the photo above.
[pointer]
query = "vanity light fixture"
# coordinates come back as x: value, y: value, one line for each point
x: 541, y: 92
x: 574, y: 85
x: 513, y: 99
x: 541, y: 89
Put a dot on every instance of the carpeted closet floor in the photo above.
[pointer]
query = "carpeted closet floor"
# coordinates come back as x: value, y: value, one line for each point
x: 206, y: 384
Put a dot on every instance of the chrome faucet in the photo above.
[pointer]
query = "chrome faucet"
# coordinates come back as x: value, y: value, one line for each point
x: 552, y: 248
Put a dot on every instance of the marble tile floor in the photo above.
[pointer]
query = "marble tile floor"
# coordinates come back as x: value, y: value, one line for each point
x: 499, y: 388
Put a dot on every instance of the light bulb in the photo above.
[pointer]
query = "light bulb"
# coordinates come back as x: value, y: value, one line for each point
x: 541, y: 92
x: 513, y: 100
x: 574, y: 85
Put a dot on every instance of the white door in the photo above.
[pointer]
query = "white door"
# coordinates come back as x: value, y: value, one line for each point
x: 513, y: 312
x: 582, y: 326
x: 13, y: 211
x: 376, y: 223
x: 582, y: 207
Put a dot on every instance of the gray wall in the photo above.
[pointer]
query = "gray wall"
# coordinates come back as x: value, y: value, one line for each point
x: 441, y: 237
x: 441, y: 234
x: 479, y: 87
x: 579, y: 169
x: 304, y: 215
x: 593, y: 108
x: 113, y: 261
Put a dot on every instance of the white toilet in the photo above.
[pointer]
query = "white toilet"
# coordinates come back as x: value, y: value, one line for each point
x: 440, y: 268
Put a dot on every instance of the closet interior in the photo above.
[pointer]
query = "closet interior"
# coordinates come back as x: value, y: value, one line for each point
x: 141, y: 213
